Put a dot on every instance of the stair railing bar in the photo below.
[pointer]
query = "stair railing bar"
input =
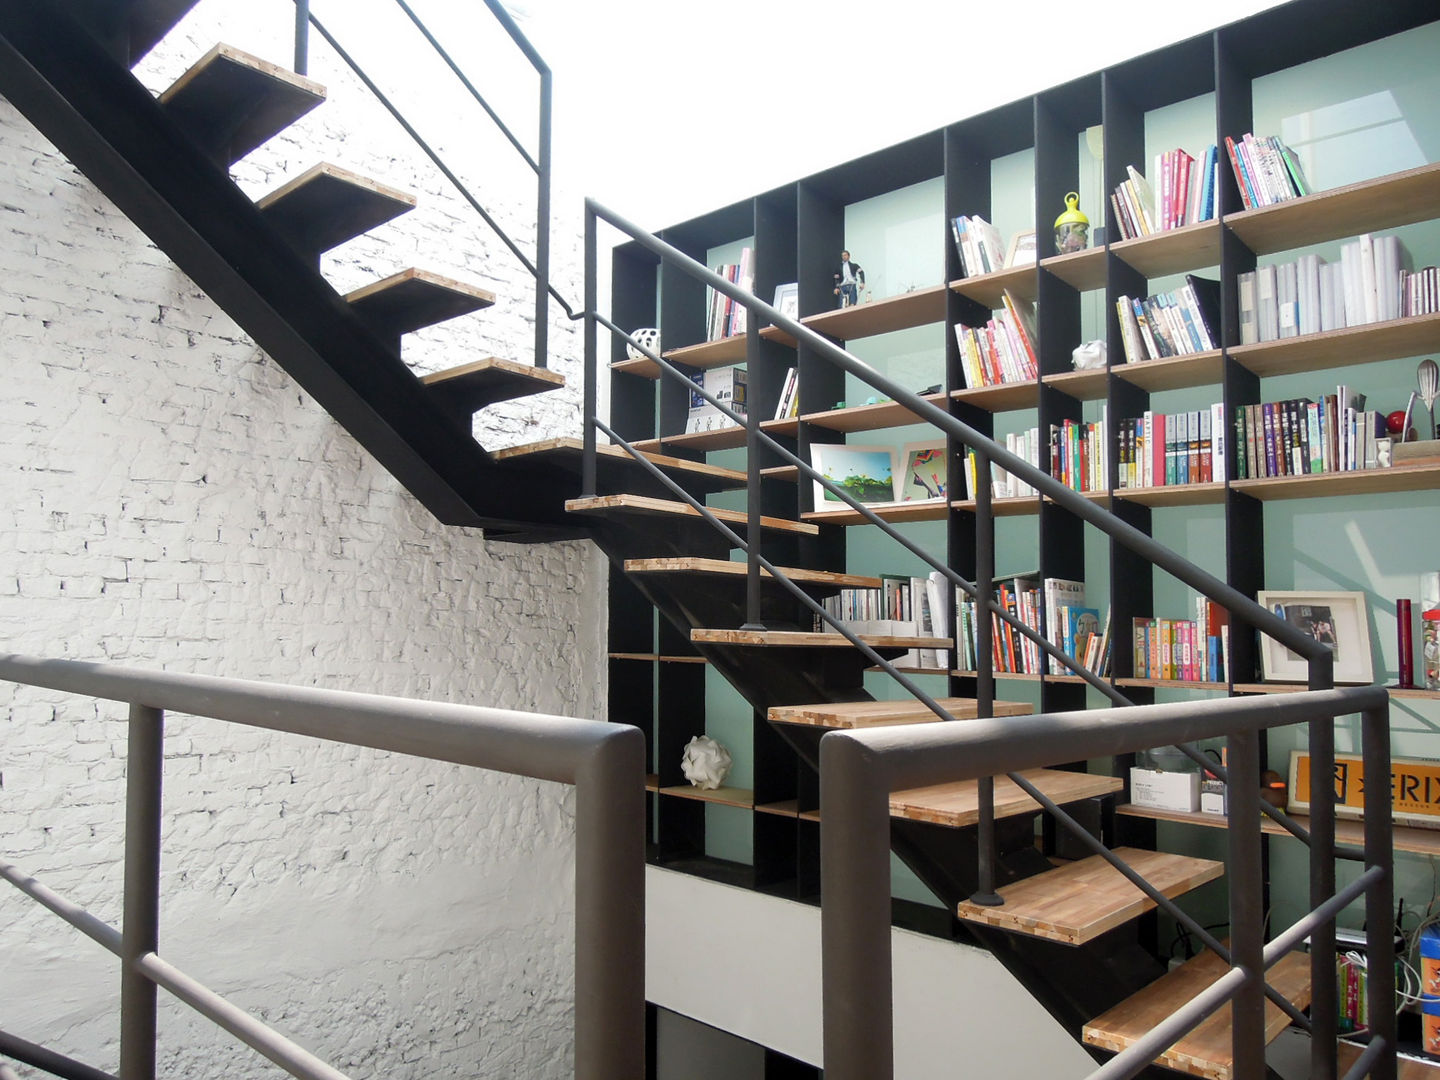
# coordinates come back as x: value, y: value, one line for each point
x: 753, y: 553
x: 987, y: 846
x: 1159, y: 898
x: 753, y: 483
x: 1380, y: 898
x: 1367, y: 1060
x: 1324, y: 993
x: 139, y: 1000
x: 42, y: 1058
x: 859, y: 769
x: 1121, y: 531
x: 591, y: 391
x: 510, y: 27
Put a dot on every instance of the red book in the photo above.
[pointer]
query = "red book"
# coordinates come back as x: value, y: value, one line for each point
x: 1239, y: 177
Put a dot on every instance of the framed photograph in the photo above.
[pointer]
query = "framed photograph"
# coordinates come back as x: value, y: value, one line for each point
x: 923, y: 472
x: 1336, y: 619
x: 787, y: 300
x: 1022, y: 250
x: 867, y: 473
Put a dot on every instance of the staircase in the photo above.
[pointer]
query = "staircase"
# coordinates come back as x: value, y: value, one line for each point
x: 1072, y: 931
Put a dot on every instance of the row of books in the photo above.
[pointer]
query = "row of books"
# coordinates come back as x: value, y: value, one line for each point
x: 789, y: 404
x: 1003, y: 484
x: 1369, y: 284
x: 1001, y: 351
x: 1266, y: 170
x: 1160, y: 449
x: 1184, y: 650
x: 1074, y: 628
x: 902, y: 605
x: 728, y: 385
x: 983, y: 252
x: 724, y: 317
x: 1077, y: 454
x: 1186, y: 193
x: 1185, y: 320
x: 1300, y: 437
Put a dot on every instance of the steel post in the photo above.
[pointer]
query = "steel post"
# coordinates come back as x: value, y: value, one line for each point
x: 592, y: 355
x: 987, y: 850
x: 753, y: 481
x: 140, y: 934
x: 1324, y: 995
x: 1247, y: 906
x: 858, y: 1036
x: 302, y: 37
x: 1380, y: 897
x: 542, y: 228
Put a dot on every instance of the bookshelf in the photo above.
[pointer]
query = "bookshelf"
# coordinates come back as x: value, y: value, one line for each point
x: 1254, y: 533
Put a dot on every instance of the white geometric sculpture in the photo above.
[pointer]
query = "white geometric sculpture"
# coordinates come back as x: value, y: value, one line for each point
x: 649, y: 337
x: 705, y: 763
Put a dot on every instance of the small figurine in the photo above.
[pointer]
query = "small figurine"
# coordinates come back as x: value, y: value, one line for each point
x: 1072, y: 228
x: 849, y: 281
x: 705, y: 763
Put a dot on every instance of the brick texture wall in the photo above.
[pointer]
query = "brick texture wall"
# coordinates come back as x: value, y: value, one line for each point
x: 174, y: 501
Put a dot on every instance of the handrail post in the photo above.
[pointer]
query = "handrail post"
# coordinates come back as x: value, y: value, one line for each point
x: 542, y: 228
x: 753, y: 619
x: 1324, y: 995
x: 141, y: 930
x: 1247, y: 907
x: 592, y: 355
x: 987, y: 849
x: 1380, y: 897
x: 302, y: 37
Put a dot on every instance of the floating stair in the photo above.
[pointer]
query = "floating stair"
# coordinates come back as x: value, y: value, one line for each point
x: 1406, y: 1068
x: 566, y: 453
x: 230, y: 102
x: 1206, y: 1050
x: 640, y: 505
x: 462, y: 390
x: 958, y: 804
x: 1080, y: 901
x: 729, y: 569
x: 807, y: 640
x: 328, y: 205
x: 413, y: 299
x: 850, y: 715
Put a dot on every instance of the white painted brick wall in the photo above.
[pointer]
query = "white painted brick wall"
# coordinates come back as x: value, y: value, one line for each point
x: 174, y: 501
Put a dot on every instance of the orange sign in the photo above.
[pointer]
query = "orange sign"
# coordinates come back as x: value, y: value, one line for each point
x: 1414, y: 788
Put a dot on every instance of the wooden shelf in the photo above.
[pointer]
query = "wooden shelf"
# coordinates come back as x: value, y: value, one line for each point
x: 1174, y: 684
x: 782, y: 472
x: 1175, y: 372
x: 806, y: 640
x: 1365, y: 344
x: 1082, y: 270
x: 918, y: 308
x: 987, y: 289
x: 655, y: 658
x: 725, y: 796
x: 1360, y: 482
x: 707, y: 354
x: 724, y: 439
x: 1414, y: 693
x: 1383, y: 203
x: 1190, y: 247
x: 1174, y: 495
x: 1002, y: 397
x: 1347, y: 830
x: 895, y: 513
x: 1018, y: 506
x: 1091, y: 385
x: 883, y: 414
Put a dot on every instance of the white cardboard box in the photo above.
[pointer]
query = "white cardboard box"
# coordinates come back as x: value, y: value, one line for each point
x: 1165, y: 790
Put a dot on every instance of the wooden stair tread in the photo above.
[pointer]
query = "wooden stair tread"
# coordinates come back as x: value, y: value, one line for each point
x: 1080, y: 901
x: 644, y: 504
x: 1206, y: 1050
x: 230, y: 102
x: 727, y: 568
x: 957, y: 804
x: 327, y: 205
x: 483, y: 382
x: 569, y: 450
x: 807, y: 640
x: 413, y: 298
x: 850, y: 715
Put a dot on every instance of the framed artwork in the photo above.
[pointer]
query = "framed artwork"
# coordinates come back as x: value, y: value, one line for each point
x: 867, y: 473
x: 1414, y: 783
x: 1336, y: 619
x: 787, y: 300
x: 1022, y: 250
x: 923, y: 472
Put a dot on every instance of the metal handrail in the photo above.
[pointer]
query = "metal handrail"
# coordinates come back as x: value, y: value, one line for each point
x: 540, y: 162
x: 859, y: 770
x: 604, y: 762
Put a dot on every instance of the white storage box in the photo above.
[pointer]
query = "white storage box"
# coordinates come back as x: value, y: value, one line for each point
x: 1165, y: 790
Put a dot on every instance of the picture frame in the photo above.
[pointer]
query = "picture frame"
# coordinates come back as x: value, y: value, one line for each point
x: 923, y: 475
x: 1340, y: 619
x: 787, y: 300
x: 866, y: 472
x: 1022, y: 250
